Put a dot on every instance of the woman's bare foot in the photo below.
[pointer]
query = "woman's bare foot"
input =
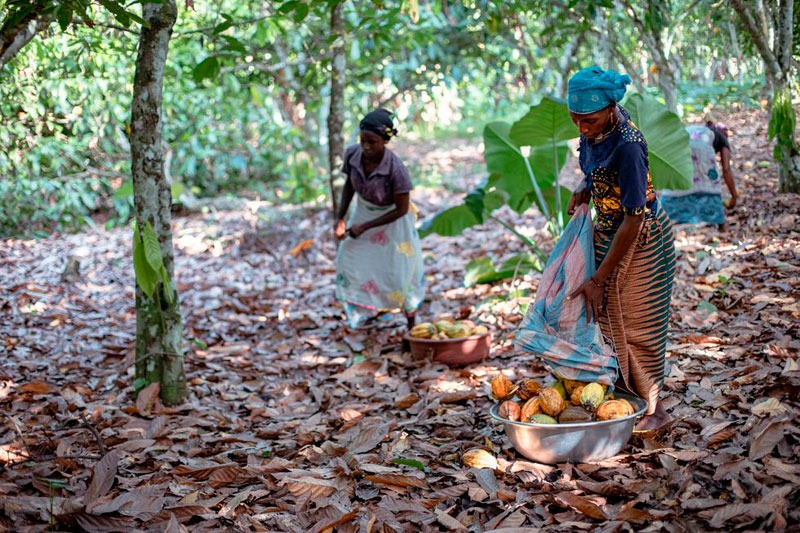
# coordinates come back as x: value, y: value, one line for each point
x: 658, y: 419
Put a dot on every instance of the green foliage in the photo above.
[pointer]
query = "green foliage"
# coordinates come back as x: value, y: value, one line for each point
x: 667, y: 142
x: 148, y: 264
x: 482, y: 270
x: 782, y: 124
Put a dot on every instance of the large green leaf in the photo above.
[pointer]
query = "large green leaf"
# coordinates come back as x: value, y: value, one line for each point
x: 503, y: 158
x: 477, y: 205
x: 545, y: 124
x: 667, y: 142
x: 482, y: 270
x: 146, y: 277
x: 450, y: 222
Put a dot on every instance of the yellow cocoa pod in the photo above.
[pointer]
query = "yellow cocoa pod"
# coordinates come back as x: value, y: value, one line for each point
x: 543, y: 419
x: 592, y: 396
x: 575, y: 397
x: 442, y: 325
x: 502, y: 388
x: 426, y: 330
x: 573, y: 413
x: 570, y: 385
x: 468, y: 323
x: 530, y: 408
x: 611, y: 409
x: 528, y: 388
x: 457, y: 331
x: 559, y: 387
x: 480, y: 330
x: 479, y: 458
x: 510, y: 410
x: 551, y: 401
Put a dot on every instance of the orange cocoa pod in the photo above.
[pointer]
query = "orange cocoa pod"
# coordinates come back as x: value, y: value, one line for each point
x: 528, y: 388
x: 530, y: 408
x: 575, y: 398
x: 551, y: 402
x: 611, y: 409
x: 502, y: 388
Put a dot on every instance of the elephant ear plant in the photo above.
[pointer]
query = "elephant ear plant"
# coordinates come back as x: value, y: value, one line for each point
x: 525, y: 159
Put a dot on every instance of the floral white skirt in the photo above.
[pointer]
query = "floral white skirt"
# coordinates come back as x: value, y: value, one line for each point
x: 381, y: 270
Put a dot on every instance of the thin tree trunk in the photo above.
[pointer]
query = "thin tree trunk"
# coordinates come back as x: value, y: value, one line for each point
x: 778, y: 66
x: 336, y: 115
x: 159, y: 326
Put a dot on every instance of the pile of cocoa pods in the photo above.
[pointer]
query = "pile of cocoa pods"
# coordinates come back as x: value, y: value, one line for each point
x: 562, y: 402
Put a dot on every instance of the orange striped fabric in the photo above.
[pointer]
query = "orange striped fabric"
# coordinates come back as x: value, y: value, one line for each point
x: 637, y: 306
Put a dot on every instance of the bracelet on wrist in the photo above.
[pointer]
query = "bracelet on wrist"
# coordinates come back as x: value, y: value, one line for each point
x: 600, y: 285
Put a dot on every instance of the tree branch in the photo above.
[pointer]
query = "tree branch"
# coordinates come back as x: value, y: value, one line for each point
x: 14, y: 39
x: 759, y: 39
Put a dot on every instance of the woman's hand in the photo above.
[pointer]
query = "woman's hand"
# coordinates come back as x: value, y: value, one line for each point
x: 731, y: 203
x: 339, y: 230
x: 577, y: 198
x: 356, y: 230
x: 593, y: 292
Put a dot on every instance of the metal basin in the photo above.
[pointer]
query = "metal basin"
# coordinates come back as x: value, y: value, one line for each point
x: 579, y: 442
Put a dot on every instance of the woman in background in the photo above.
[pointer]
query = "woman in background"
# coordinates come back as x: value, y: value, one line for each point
x: 379, y: 265
x: 703, y: 202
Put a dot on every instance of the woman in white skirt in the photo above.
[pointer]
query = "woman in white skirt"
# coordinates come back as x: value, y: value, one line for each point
x: 379, y: 265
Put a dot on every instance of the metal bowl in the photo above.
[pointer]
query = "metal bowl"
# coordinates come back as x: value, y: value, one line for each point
x: 579, y: 442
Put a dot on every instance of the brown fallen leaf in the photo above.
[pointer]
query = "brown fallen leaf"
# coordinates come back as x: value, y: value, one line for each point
x: 763, y: 443
x: 581, y: 504
x: 406, y: 401
x: 105, y: 472
x: 398, y: 480
x: 720, y: 437
x: 35, y: 387
x: 457, y: 397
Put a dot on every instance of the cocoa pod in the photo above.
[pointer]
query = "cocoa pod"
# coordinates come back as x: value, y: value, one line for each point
x: 542, y: 418
x: 530, y: 408
x: 502, y: 388
x: 611, y: 409
x: 510, y: 410
x: 528, y: 388
x: 592, y: 396
x: 551, y: 401
x: 575, y: 397
x: 574, y: 413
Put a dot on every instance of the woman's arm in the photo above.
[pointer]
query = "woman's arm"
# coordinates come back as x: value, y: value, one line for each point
x: 593, y: 289
x: 348, y: 192
x: 401, y: 203
x: 727, y: 175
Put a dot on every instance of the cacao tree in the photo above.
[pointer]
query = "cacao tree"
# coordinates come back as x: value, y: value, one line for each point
x: 770, y: 25
x: 159, y: 326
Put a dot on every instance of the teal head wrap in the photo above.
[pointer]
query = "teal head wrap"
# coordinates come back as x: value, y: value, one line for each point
x: 592, y: 89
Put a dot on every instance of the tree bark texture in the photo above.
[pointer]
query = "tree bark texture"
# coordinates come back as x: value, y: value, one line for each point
x: 778, y: 65
x: 14, y: 38
x: 336, y: 145
x: 159, y: 325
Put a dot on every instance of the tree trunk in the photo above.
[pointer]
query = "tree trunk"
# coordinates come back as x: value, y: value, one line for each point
x: 778, y: 66
x: 159, y: 326
x: 336, y: 115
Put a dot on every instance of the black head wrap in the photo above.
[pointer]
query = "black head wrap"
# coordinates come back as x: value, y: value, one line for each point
x: 380, y: 122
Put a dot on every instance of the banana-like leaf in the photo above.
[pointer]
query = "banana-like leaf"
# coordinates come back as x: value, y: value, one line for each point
x: 477, y: 206
x: 504, y: 158
x: 482, y: 270
x: 546, y: 124
x: 667, y: 142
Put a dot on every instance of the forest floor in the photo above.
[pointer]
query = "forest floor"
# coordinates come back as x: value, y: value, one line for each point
x: 294, y: 423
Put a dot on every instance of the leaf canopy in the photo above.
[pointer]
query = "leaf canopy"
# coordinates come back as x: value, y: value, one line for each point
x: 667, y: 142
